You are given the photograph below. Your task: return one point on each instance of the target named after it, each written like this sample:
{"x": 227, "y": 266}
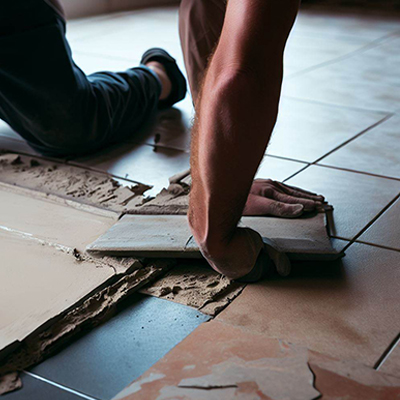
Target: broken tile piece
{"x": 10, "y": 382}
{"x": 275, "y": 378}
{"x": 351, "y": 380}
{"x": 170, "y": 236}
{"x": 197, "y": 285}
{"x": 218, "y": 361}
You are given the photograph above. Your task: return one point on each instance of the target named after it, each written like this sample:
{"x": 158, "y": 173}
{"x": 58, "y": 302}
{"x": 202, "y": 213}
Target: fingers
{"x": 258, "y": 205}
{"x": 309, "y": 205}
{"x": 297, "y": 192}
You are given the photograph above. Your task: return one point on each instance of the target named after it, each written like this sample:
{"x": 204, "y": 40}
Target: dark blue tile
{"x": 34, "y": 389}
{"x": 108, "y": 358}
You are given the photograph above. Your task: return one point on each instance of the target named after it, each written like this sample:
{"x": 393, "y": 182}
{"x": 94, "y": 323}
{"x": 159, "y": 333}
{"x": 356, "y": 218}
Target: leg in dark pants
{"x": 49, "y": 101}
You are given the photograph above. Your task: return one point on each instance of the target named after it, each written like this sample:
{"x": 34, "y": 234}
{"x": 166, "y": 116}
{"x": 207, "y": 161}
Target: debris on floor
{"x": 69, "y": 182}
{"x": 195, "y": 284}
{"x": 222, "y": 361}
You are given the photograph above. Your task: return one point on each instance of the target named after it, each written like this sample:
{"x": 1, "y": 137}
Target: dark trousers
{"x": 49, "y": 101}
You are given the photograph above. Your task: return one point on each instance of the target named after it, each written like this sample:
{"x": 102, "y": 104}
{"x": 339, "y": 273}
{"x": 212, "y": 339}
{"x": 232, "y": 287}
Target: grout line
{"x": 296, "y": 173}
{"x": 336, "y": 105}
{"x": 384, "y": 209}
{"x": 381, "y": 121}
{"x": 375, "y": 43}
{"x": 287, "y": 159}
{"x": 62, "y": 387}
{"x": 385, "y": 355}
{"x": 356, "y": 172}
{"x": 381, "y": 246}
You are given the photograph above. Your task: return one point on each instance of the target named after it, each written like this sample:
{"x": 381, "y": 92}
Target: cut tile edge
{"x": 94, "y": 310}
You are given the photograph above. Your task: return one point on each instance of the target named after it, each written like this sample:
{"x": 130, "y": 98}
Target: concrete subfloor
{"x": 336, "y": 134}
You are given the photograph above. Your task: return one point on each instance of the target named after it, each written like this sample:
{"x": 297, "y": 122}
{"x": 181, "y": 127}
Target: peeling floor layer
{"x": 218, "y": 361}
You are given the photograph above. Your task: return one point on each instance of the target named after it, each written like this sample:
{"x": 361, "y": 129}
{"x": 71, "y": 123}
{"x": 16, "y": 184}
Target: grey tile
{"x": 277, "y": 168}
{"x": 328, "y": 23}
{"x": 304, "y": 50}
{"x": 357, "y": 198}
{"x": 171, "y": 128}
{"x": 367, "y": 80}
{"x": 141, "y": 163}
{"x": 385, "y": 230}
{"x": 106, "y": 359}
{"x": 307, "y": 131}
{"x": 35, "y": 389}
{"x": 376, "y": 151}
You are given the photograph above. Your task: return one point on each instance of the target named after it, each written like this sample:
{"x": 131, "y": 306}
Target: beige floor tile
{"x": 365, "y": 80}
{"x": 50, "y": 222}
{"x": 328, "y": 23}
{"x": 376, "y": 151}
{"x": 385, "y": 230}
{"x": 347, "y": 311}
{"x": 94, "y": 63}
{"x": 356, "y": 198}
{"x": 38, "y": 283}
{"x": 392, "y": 364}
{"x": 305, "y": 50}
{"x": 140, "y": 163}
{"x": 278, "y": 169}
{"x": 306, "y": 131}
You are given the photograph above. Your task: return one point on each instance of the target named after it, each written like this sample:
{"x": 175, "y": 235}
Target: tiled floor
{"x": 340, "y": 109}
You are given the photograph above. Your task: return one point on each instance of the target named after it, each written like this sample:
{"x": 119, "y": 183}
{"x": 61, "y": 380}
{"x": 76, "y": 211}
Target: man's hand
{"x": 268, "y": 197}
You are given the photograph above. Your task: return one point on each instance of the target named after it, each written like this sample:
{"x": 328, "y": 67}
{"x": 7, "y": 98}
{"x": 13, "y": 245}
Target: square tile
{"x": 106, "y": 359}
{"x": 278, "y": 169}
{"x": 331, "y": 23}
{"x": 385, "y": 230}
{"x": 141, "y": 163}
{"x": 170, "y": 128}
{"x": 347, "y": 310}
{"x": 35, "y": 389}
{"x": 377, "y": 151}
{"x": 305, "y": 50}
{"x": 306, "y": 131}
{"x": 366, "y": 80}
{"x": 356, "y": 198}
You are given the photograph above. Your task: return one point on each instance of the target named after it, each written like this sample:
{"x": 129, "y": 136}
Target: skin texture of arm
{"x": 236, "y": 114}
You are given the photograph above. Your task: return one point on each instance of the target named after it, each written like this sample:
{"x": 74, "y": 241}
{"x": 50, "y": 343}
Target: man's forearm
{"x": 236, "y": 115}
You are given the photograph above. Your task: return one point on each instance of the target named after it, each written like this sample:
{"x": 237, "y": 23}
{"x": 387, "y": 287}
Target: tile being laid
{"x": 141, "y": 163}
{"x": 376, "y": 151}
{"x": 357, "y": 198}
{"x": 306, "y": 131}
{"x": 385, "y": 230}
{"x": 367, "y": 80}
{"x": 348, "y": 310}
{"x": 170, "y": 236}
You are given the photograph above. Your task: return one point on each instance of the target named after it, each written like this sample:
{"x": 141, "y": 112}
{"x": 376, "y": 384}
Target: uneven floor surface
{"x": 337, "y": 134}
